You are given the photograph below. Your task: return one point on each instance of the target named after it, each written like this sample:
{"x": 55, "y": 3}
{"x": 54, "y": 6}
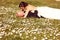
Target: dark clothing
{"x": 30, "y": 14}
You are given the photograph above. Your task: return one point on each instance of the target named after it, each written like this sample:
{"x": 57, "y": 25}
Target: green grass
{"x": 14, "y": 28}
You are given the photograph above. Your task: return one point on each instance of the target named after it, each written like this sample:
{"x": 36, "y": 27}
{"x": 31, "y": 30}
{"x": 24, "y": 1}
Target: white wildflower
{"x": 34, "y": 32}
{"x": 50, "y": 34}
{"x": 16, "y": 28}
{"x": 30, "y": 34}
{"x": 49, "y": 28}
{"x": 14, "y": 20}
{"x": 20, "y": 34}
{"x": 28, "y": 23}
{"x": 23, "y": 21}
{"x": 27, "y": 36}
{"x": 10, "y": 33}
{"x": 13, "y": 31}
{"x": 21, "y": 31}
{"x": 2, "y": 7}
{"x": 31, "y": 39}
{"x": 58, "y": 34}
{"x": 6, "y": 34}
{"x": 9, "y": 29}
{"x": 54, "y": 37}
{"x": 22, "y": 37}
{"x": 43, "y": 39}
{"x": 2, "y": 33}
{"x": 26, "y": 33}
{"x": 24, "y": 29}
{"x": 46, "y": 38}
{"x": 34, "y": 38}
{"x": 54, "y": 33}
{"x": 16, "y": 32}
{"x": 45, "y": 35}
{"x": 0, "y": 36}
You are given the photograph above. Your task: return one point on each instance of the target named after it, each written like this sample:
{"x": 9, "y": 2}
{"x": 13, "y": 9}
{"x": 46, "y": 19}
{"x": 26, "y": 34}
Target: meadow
{"x": 15, "y": 28}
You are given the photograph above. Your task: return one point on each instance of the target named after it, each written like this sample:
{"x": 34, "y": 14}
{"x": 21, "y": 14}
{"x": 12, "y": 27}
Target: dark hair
{"x": 23, "y": 4}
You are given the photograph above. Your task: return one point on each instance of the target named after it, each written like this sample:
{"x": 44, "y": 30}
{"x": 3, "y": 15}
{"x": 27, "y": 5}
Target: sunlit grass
{"x": 15, "y": 28}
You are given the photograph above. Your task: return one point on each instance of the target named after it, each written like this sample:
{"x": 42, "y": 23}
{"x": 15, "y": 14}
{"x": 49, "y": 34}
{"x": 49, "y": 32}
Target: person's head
{"x": 22, "y": 5}
{"x": 20, "y": 14}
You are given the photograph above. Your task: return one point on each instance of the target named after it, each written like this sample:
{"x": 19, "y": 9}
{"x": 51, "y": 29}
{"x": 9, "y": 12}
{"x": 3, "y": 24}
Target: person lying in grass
{"x": 43, "y": 11}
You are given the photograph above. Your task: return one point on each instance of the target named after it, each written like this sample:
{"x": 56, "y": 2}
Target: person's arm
{"x": 26, "y": 13}
{"x": 28, "y": 8}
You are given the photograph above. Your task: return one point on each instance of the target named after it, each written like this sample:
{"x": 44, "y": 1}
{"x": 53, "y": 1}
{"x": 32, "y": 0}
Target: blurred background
{"x": 53, "y": 3}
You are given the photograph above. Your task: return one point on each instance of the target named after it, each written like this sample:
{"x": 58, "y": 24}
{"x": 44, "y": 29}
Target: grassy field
{"x": 14, "y": 28}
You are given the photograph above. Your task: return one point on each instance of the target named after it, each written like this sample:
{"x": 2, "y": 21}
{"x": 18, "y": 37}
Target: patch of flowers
{"x": 29, "y": 28}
